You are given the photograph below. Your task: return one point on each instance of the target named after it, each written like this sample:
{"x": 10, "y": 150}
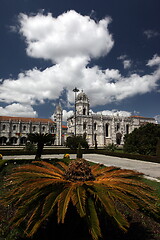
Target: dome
{"x": 82, "y": 97}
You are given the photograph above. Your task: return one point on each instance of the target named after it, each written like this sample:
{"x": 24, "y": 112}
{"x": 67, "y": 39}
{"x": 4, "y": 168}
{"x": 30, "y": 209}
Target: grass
{"x": 153, "y": 184}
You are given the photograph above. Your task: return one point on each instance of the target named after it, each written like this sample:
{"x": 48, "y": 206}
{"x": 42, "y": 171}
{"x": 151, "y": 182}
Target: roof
{"x": 63, "y": 126}
{"x": 25, "y": 119}
{"x": 142, "y": 117}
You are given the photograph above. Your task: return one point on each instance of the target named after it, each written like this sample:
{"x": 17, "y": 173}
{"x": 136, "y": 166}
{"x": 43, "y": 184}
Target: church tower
{"x": 58, "y": 119}
{"x": 82, "y": 104}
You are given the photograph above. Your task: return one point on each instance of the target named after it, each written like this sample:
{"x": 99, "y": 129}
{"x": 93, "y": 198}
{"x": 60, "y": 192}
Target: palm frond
{"x": 79, "y": 199}
{"x": 92, "y": 220}
{"x": 63, "y": 202}
{"x": 49, "y": 166}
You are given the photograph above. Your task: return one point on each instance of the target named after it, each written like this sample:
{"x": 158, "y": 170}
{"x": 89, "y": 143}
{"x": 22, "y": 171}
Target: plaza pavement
{"x": 150, "y": 169}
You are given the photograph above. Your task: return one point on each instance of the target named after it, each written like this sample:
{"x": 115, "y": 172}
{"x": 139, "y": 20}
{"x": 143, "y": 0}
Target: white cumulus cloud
{"x": 125, "y": 61}
{"x": 157, "y": 118}
{"x": 68, "y": 35}
{"x": 70, "y": 41}
{"x": 67, "y": 114}
{"x": 115, "y": 113}
{"x": 154, "y": 61}
{"x": 18, "y": 110}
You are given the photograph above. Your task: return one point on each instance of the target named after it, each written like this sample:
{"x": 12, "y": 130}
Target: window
{"x": 14, "y": 127}
{"x": 95, "y": 126}
{"x": 52, "y": 129}
{"x": 24, "y": 128}
{"x": 43, "y": 129}
{"x": 107, "y": 130}
{"x": 3, "y": 127}
{"x": 127, "y": 129}
{"x": 118, "y": 126}
{"x": 34, "y": 128}
{"x": 84, "y": 111}
{"x": 84, "y": 126}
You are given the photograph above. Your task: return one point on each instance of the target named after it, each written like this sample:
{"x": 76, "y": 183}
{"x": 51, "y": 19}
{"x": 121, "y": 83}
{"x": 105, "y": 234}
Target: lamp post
{"x": 75, "y": 90}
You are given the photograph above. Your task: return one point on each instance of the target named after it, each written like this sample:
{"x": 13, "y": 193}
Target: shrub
{"x": 158, "y": 148}
{"x": 29, "y": 147}
{"x": 143, "y": 140}
{"x": 74, "y": 141}
{"x": 111, "y": 147}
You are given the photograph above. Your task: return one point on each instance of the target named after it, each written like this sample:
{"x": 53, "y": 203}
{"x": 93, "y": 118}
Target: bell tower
{"x": 82, "y": 104}
{"x": 58, "y": 119}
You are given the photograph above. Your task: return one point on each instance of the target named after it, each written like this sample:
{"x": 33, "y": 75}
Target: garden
{"x": 59, "y": 198}
{"x": 76, "y": 199}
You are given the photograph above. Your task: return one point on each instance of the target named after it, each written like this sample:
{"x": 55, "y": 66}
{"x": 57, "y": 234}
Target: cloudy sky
{"x": 110, "y": 49}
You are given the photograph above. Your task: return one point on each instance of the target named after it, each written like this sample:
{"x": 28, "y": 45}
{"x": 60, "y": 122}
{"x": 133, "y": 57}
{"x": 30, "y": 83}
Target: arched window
{"x": 34, "y": 128}
{"x": 107, "y": 129}
{"x": 43, "y": 129}
{"x": 95, "y": 126}
{"x": 24, "y": 128}
{"x": 84, "y": 126}
{"x": 84, "y": 111}
{"x": 118, "y": 138}
{"x": 3, "y": 127}
{"x": 14, "y": 127}
{"x": 127, "y": 129}
{"x": 118, "y": 126}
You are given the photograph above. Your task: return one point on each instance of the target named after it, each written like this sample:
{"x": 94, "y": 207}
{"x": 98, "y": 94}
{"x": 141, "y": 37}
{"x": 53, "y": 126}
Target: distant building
{"x": 103, "y": 129}
{"x": 14, "y": 130}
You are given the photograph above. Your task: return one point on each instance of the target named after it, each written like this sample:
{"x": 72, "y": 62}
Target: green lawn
{"x": 154, "y": 184}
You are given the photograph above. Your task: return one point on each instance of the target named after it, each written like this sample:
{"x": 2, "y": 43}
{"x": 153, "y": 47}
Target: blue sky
{"x": 110, "y": 49}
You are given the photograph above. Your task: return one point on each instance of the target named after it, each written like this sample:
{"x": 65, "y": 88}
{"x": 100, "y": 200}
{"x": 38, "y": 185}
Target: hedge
{"x": 148, "y": 158}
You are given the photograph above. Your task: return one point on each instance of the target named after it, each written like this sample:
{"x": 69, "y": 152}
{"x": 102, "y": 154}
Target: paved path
{"x": 148, "y": 168}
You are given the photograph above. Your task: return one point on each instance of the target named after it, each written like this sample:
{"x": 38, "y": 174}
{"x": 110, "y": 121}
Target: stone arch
{"x": 3, "y": 127}
{"x": 23, "y": 140}
{"x": 14, "y": 127}
{"x": 3, "y": 140}
{"x": 118, "y": 138}
{"x": 13, "y": 140}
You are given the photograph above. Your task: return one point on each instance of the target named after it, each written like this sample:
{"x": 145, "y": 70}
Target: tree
{"x": 143, "y": 140}
{"x": 74, "y": 141}
{"x": 79, "y": 151}
{"x": 158, "y": 148}
{"x": 40, "y": 139}
{"x": 39, "y": 190}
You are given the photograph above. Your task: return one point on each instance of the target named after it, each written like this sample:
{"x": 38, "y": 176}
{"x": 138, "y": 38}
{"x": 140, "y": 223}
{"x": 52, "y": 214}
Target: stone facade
{"x": 14, "y": 130}
{"x": 103, "y": 129}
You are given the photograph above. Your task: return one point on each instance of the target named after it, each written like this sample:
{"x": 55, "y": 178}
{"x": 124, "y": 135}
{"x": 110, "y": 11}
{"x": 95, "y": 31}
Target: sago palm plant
{"x": 36, "y": 190}
{"x": 40, "y": 139}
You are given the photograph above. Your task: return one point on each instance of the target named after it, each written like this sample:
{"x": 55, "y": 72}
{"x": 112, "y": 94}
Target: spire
{"x": 59, "y": 108}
